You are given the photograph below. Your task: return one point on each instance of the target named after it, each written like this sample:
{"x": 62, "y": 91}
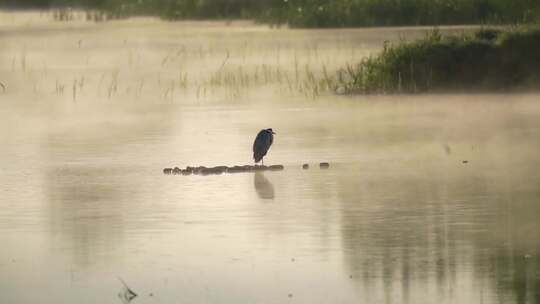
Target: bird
{"x": 262, "y": 143}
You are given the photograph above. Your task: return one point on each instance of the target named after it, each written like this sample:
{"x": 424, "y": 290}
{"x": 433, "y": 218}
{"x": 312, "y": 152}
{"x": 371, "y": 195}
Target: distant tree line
{"x": 49, "y": 3}
{"x": 315, "y": 13}
{"x": 318, "y": 13}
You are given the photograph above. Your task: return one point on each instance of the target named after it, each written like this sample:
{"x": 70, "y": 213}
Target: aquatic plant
{"x": 488, "y": 60}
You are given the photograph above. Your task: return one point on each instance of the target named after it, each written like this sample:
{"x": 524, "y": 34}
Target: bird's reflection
{"x": 263, "y": 187}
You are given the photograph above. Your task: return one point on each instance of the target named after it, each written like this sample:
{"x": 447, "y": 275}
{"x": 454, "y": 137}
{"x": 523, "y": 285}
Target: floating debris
{"x": 202, "y": 170}
{"x": 219, "y": 169}
{"x": 276, "y": 167}
{"x": 234, "y": 169}
{"x": 197, "y": 170}
{"x": 305, "y": 166}
{"x": 126, "y": 295}
{"x": 324, "y": 165}
{"x": 465, "y": 161}
{"x": 214, "y": 170}
{"x": 248, "y": 168}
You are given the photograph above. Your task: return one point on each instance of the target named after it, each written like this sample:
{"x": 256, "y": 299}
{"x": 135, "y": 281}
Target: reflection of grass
{"x": 488, "y": 60}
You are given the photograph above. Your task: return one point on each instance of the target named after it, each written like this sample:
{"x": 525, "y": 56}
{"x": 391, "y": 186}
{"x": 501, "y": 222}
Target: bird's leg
{"x": 262, "y": 161}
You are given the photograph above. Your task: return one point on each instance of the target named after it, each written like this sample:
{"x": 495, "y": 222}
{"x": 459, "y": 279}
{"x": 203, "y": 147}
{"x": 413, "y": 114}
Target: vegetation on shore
{"x": 490, "y": 59}
{"x": 361, "y": 13}
{"x": 314, "y": 13}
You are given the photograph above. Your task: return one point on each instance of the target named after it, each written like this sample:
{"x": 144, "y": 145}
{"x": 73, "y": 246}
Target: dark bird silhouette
{"x": 262, "y": 143}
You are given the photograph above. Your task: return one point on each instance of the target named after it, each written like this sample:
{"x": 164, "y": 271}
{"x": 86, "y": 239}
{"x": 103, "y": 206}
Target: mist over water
{"x": 428, "y": 198}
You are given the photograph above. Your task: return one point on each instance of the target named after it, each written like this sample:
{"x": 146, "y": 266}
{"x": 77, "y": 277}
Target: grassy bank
{"x": 315, "y": 13}
{"x": 488, "y": 60}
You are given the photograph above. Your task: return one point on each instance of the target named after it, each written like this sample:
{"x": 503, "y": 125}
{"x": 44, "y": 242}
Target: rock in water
{"x": 324, "y": 165}
{"x": 167, "y": 171}
{"x": 305, "y": 166}
{"x": 234, "y": 169}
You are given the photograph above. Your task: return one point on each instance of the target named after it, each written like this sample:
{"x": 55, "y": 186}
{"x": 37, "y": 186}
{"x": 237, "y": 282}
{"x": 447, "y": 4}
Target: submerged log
{"x": 198, "y": 170}
{"x": 276, "y": 167}
{"x": 201, "y": 170}
{"x": 213, "y": 170}
{"x": 236, "y": 169}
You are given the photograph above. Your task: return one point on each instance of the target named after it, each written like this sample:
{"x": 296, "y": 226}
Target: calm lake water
{"x": 428, "y": 199}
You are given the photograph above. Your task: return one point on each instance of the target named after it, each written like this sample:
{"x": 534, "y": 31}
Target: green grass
{"x": 486, "y": 61}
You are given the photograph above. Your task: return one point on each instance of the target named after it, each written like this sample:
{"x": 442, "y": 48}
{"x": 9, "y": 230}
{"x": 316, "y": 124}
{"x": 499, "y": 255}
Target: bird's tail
{"x": 257, "y": 157}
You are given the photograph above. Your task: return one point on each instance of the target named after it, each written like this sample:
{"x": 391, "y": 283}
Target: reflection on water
{"x": 85, "y": 209}
{"x": 126, "y": 295}
{"x": 438, "y": 233}
{"x": 263, "y": 187}
{"x": 398, "y": 217}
